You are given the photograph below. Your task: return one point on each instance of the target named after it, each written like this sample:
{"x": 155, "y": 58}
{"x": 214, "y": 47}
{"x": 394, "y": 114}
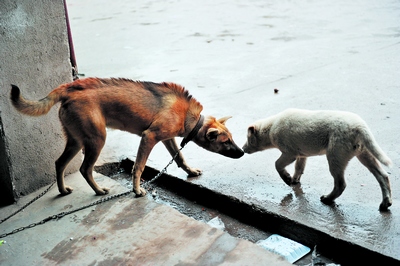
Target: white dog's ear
{"x": 212, "y": 134}
{"x": 251, "y": 131}
{"x": 223, "y": 119}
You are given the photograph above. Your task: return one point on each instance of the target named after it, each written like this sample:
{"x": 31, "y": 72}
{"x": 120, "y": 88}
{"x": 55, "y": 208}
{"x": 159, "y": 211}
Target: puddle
{"x": 187, "y": 203}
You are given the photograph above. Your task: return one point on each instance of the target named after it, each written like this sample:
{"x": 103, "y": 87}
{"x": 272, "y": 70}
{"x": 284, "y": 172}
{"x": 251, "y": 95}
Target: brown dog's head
{"x": 215, "y": 137}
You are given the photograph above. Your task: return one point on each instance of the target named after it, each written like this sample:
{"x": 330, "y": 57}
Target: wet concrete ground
{"x": 121, "y": 231}
{"x": 231, "y": 55}
{"x": 191, "y": 203}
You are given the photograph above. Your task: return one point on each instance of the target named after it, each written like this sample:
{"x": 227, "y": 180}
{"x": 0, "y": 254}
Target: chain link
{"x": 163, "y": 171}
{"x": 29, "y": 203}
{"x": 62, "y": 214}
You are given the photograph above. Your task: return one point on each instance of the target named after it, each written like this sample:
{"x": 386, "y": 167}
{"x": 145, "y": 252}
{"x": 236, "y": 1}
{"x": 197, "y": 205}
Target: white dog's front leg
{"x": 280, "y": 166}
{"x": 299, "y": 169}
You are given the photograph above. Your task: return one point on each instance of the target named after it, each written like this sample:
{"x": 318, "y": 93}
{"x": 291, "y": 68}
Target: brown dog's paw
{"x": 66, "y": 191}
{"x": 103, "y": 191}
{"x": 194, "y": 172}
{"x": 140, "y": 193}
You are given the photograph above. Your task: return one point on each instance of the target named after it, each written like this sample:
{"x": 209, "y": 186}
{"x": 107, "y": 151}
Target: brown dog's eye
{"x": 227, "y": 143}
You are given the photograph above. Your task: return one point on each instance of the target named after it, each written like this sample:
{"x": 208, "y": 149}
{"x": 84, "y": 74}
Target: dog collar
{"x": 193, "y": 132}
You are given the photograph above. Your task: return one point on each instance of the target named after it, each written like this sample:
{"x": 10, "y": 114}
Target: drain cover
{"x": 285, "y": 247}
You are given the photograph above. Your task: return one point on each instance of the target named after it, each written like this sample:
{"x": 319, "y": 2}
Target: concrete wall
{"x": 34, "y": 55}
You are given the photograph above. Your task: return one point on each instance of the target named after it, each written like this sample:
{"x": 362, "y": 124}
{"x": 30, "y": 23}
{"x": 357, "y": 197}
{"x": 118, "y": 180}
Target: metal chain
{"x": 163, "y": 171}
{"x": 29, "y": 203}
{"x": 62, "y": 214}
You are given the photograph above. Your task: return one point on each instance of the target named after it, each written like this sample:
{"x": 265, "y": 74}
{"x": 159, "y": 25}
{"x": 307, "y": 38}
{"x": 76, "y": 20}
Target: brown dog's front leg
{"x": 172, "y": 147}
{"x": 146, "y": 145}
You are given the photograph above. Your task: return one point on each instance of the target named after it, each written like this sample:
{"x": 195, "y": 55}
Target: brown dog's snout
{"x": 234, "y": 152}
{"x": 240, "y": 153}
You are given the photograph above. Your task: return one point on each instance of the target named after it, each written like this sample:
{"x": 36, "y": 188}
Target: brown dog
{"x": 155, "y": 111}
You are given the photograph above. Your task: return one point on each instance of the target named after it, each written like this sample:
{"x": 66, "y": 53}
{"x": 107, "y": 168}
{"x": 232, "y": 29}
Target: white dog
{"x": 340, "y": 135}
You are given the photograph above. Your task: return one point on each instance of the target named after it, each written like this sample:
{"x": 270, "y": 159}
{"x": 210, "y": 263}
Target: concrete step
{"x": 123, "y": 231}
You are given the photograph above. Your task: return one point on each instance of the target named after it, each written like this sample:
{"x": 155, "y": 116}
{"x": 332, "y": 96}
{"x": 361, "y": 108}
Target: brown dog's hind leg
{"x": 283, "y": 161}
{"x": 381, "y": 176}
{"x": 71, "y": 149}
{"x": 172, "y": 147}
{"x": 92, "y": 151}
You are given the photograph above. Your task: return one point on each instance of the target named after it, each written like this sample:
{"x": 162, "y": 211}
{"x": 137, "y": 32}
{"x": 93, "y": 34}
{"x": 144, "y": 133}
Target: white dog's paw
{"x": 386, "y": 203}
{"x": 326, "y": 200}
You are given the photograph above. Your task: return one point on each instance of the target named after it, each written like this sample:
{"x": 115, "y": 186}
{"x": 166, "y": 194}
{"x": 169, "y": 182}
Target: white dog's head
{"x": 255, "y": 140}
{"x": 251, "y": 144}
{"x": 258, "y": 136}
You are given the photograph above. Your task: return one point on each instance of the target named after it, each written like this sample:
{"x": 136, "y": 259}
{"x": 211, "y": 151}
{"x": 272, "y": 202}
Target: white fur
{"x": 299, "y": 134}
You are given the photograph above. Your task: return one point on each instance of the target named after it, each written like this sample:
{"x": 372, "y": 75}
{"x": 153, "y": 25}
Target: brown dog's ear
{"x": 212, "y": 134}
{"x": 223, "y": 119}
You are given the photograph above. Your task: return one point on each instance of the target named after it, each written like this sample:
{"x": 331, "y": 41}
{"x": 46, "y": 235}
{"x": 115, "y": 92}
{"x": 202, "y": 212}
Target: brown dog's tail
{"x": 34, "y": 108}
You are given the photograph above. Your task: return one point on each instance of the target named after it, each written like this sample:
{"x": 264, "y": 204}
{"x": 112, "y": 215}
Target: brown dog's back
{"x": 109, "y": 102}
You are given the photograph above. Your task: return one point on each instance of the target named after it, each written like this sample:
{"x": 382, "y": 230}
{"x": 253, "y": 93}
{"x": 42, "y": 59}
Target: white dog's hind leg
{"x": 337, "y": 165}
{"x": 381, "y": 176}
{"x": 299, "y": 169}
{"x": 280, "y": 165}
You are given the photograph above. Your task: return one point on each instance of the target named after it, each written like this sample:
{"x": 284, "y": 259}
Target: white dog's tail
{"x": 373, "y": 147}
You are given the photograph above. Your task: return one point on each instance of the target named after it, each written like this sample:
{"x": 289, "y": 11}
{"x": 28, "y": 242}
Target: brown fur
{"x": 155, "y": 111}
